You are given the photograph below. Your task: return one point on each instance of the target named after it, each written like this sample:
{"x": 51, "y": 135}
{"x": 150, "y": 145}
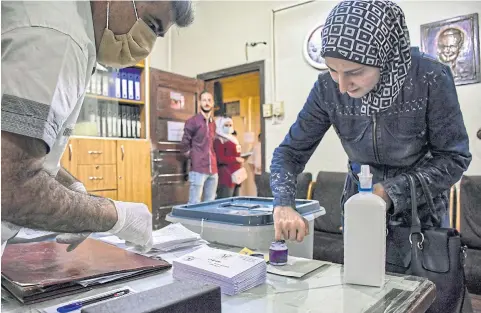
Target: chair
{"x": 303, "y": 184}
{"x": 467, "y": 221}
{"x": 328, "y": 240}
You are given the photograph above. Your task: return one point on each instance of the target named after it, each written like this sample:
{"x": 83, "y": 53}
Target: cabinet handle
{"x": 96, "y": 178}
{"x": 70, "y": 152}
{"x": 123, "y": 151}
{"x": 95, "y": 152}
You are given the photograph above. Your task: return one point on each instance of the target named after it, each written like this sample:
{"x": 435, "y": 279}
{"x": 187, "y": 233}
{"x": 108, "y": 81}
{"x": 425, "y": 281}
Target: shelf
{"x": 126, "y": 101}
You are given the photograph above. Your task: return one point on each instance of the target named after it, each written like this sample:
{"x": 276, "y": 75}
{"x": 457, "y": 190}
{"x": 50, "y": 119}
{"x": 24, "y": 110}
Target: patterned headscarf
{"x": 374, "y": 33}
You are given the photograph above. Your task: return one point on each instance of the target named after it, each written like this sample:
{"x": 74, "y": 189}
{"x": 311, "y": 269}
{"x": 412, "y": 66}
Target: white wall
{"x": 217, "y": 40}
{"x": 295, "y": 78}
{"x": 418, "y": 13}
{"x": 160, "y": 56}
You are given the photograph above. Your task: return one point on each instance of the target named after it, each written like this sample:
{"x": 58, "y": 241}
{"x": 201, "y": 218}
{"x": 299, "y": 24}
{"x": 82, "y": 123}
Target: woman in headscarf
{"x": 393, "y": 108}
{"x": 228, "y": 151}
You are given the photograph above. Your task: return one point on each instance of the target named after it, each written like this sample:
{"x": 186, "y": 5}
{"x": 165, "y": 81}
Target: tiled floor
{"x": 476, "y": 301}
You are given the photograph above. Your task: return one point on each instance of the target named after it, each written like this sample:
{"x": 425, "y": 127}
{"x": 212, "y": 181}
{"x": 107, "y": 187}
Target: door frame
{"x": 258, "y": 66}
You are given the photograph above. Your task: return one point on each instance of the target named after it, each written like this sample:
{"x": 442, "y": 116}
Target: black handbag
{"x": 431, "y": 252}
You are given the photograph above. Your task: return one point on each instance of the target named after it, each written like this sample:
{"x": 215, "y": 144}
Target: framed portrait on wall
{"x": 455, "y": 42}
{"x": 312, "y": 48}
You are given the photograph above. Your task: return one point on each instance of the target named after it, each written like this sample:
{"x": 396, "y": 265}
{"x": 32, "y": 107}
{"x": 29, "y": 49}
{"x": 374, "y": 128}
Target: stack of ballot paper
{"x": 172, "y": 237}
{"x": 175, "y": 236}
{"x": 233, "y": 272}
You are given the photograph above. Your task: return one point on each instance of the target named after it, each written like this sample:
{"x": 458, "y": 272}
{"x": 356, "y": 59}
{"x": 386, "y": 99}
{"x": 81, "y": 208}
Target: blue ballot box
{"x": 244, "y": 222}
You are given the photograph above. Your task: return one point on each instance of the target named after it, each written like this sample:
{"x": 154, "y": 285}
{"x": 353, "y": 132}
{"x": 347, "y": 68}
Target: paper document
{"x": 296, "y": 267}
{"x": 114, "y": 240}
{"x": 28, "y": 233}
{"x": 247, "y": 251}
{"x": 106, "y": 279}
{"x": 175, "y": 254}
{"x": 171, "y": 237}
{"x": 233, "y": 272}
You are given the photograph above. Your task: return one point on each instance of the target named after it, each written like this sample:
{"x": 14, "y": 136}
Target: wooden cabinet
{"x": 111, "y": 194}
{"x": 113, "y": 168}
{"x": 90, "y": 151}
{"x": 134, "y": 171}
{"x": 98, "y": 177}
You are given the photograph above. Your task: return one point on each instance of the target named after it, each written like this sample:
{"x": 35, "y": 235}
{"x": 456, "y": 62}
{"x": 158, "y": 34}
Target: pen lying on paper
{"x": 77, "y": 305}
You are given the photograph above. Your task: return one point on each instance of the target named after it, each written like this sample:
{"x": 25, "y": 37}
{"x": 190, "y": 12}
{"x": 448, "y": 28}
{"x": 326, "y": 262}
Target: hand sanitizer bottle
{"x": 365, "y": 235}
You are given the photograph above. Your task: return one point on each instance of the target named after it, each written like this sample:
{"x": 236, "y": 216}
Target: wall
{"x": 217, "y": 40}
{"x": 160, "y": 58}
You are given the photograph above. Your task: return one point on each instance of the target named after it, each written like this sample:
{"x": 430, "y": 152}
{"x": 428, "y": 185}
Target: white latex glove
{"x": 73, "y": 239}
{"x": 134, "y": 225}
{"x": 78, "y": 186}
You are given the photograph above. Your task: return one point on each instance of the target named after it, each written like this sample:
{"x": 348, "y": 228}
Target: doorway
{"x": 242, "y": 95}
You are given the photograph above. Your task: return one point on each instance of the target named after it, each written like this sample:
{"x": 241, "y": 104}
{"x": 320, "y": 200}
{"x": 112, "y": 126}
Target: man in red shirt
{"x": 198, "y": 145}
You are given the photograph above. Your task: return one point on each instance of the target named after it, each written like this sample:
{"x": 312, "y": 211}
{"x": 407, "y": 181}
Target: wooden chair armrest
{"x": 310, "y": 190}
{"x": 452, "y": 194}
{"x": 458, "y": 206}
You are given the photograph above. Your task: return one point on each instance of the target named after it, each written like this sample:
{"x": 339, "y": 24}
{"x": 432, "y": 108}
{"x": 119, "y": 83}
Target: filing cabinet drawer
{"x": 98, "y": 177}
{"x": 91, "y": 151}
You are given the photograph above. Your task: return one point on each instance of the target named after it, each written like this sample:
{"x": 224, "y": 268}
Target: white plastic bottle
{"x": 365, "y": 235}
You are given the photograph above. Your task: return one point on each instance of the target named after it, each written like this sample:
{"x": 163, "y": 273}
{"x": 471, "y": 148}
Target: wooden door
{"x": 133, "y": 171}
{"x": 173, "y": 101}
{"x": 241, "y": 101}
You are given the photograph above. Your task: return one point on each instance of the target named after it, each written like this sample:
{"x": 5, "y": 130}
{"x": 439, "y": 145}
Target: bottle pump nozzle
{"x": 365, "y": 179}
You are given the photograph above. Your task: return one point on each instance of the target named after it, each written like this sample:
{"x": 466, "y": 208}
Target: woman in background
{"x": 228, "y": 151}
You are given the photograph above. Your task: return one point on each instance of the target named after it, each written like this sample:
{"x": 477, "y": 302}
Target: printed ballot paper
{"x": 233, "y": 272}
{"x": 172, "y": 237}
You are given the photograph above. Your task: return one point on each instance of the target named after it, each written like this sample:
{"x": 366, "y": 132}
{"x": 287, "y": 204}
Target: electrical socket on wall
{"x": 267, "y": 110}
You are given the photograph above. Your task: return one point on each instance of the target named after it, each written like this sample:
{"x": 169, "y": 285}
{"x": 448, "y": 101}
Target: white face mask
{"x": 126, "y": 50}
{"x": 228, "y": 130}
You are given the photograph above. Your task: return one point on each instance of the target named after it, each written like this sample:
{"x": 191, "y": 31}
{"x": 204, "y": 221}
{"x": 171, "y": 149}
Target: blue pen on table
{"x": 78, "y": 305}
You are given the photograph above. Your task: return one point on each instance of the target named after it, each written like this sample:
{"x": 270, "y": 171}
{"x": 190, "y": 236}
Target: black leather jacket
{"x": 423, "y": 131}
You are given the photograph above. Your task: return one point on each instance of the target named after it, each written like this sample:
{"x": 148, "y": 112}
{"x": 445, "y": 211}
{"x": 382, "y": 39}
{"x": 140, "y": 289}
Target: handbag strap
{"x": 428, "y": 195}
{"x": 415, "y": 221}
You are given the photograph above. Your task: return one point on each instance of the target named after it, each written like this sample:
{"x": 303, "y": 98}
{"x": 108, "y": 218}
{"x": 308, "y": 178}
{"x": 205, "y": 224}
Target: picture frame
{"x": 455, "y": 42}
{"x": 311, "y": 48}
{"x": 232, "y": 108}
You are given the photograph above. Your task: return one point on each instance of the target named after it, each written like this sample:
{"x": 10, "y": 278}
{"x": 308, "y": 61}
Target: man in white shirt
{"x": 49, "y": 51}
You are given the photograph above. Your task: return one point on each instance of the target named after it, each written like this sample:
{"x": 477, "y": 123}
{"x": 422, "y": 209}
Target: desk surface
{"x": 319, "y": 291}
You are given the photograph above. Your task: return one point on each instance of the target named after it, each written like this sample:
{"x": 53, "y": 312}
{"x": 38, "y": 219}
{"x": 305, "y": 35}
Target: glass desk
{"x": 320, "y": 291}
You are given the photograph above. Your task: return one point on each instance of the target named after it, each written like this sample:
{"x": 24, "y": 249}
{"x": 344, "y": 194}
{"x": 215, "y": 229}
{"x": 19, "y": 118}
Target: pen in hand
{"x": 78, "y": 305}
